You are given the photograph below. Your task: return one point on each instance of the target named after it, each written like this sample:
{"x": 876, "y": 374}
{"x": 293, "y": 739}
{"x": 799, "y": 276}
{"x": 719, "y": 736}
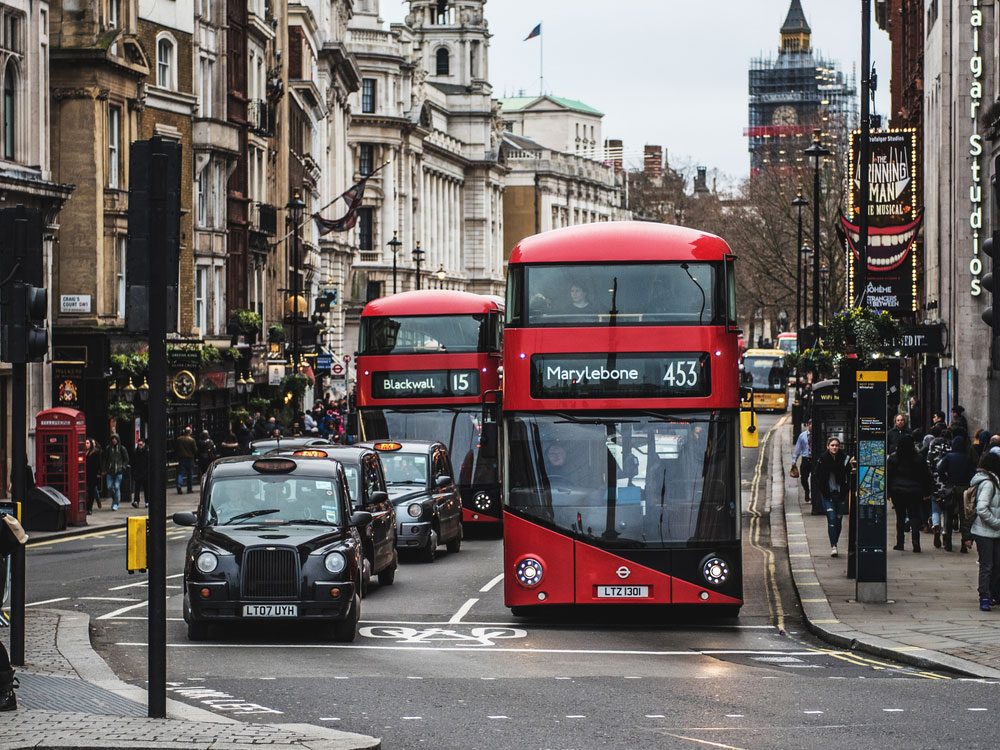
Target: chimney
{"x": 701, "y": 180}
{"x": 652, "y": 162}
{"x": 614, "y": 153}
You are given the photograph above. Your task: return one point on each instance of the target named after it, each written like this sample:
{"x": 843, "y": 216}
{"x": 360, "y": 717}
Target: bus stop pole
{"x": 19, "y": 488}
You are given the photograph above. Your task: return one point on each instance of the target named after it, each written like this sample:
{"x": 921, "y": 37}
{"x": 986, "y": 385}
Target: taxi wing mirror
{"x": 442, "y": 481}
{"x": 378, "y": 497}
{"x": 361, "y": 518}
{"x": 185, "y": 518}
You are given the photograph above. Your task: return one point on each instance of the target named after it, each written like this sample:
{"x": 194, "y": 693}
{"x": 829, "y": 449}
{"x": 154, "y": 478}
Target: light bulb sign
{"x": 640, "y": 375}
{"x": 425, "y": 384}
{"x": 975, "y": 149}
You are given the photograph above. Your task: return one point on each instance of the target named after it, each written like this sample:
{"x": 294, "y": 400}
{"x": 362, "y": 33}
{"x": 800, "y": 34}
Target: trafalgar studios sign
{"x": 975, "y": 148}
{"x": 893, "y": 219}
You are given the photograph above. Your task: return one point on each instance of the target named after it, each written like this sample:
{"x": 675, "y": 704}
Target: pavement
{"x": 932, "y": 619}
{"x": 70, "y": 698}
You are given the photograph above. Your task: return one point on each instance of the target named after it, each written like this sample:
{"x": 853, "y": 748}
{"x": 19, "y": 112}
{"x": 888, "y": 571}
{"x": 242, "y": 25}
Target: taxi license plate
{"x": 623, "y": 592}
{"x": 270, "y": 610}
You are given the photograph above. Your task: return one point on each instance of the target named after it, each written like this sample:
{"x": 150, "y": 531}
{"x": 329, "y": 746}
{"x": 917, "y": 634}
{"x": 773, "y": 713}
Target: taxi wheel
{"x": 388, "y": 576}
{"x": 455, "y": 545}
{"x": 366, "y": 576}
{"x": 347, "y": 630}
{"x": 197, "y": 631}
{"x": 429, "y": 553}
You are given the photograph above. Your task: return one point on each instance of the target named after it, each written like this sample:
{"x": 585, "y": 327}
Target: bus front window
{"x": 630, "y": 480}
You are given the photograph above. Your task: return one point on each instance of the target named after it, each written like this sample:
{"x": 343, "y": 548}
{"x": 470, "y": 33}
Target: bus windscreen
{"x": 768, "y": 373}
{"x": 629, "y": 480}
{"x": 425, "y": 334}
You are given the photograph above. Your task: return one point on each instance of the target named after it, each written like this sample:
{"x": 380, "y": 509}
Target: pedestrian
{"x": 115, "y": 463}
{"x": 140, "y": 473}
{"x": 909, "y": 482}
{"x": 985, "y": 529}
{"x": 893, "y": 436}
{"x": 93, "y": 465}
{"x": 955, "y": 470}
{"x": 832, "y": 472}
{"x": 230, "y": 445}
{"x": 802, "y": 454}
{"x": 187, "y": 450}
{"x": 309, "y": 424}
{"x": 938, "y": 418}
{"x": 207, "y": 452}
{"x": 12, "y": 537}
{"x": 244, "y": 435}
{"x": 913, "y": 411}
{"x": 958, "y": 420}
{"x": 260, "y": 427}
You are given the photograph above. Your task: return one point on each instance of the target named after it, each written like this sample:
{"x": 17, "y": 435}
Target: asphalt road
{"x": 441, "y": 663}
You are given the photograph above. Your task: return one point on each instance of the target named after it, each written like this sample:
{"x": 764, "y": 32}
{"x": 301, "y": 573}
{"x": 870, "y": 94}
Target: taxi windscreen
{"x": 274, "y": 499}
{"x": 405, "y": 468}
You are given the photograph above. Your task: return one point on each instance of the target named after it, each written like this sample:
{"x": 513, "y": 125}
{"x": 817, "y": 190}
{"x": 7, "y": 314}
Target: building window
{"x": 121, "y": 253}
{"x": 207, "y": 80}
{"x": 366, "y": 162}
{"x": 368, "y": 95}
{"x": 443, "y": 62}
{"x": 219, "y": 195}
{"x": 200, "y": 286}
{"x": 373, "y": 290}
{"x": 113, "y": 20}
{"x": 202, "y": 201}
{"x": 114, "y": 146}
{"x": 217, "y": 300}
{"x": 366, "y": 218}
{"x": 165, "y": 68}
{"x": 9, "y": 111}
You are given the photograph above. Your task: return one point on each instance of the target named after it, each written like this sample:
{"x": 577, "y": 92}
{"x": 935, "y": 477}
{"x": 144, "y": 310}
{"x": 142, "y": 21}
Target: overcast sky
{"x": 672, "y": 72}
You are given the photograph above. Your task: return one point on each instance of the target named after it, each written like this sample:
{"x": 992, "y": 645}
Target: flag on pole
{"x": 537, "y": 31}
{"x": 353, "y": 197}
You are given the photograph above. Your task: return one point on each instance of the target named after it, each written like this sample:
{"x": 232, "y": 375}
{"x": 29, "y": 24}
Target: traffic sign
{"x": 337, "y": 371}
{"x": 324, "y": 362}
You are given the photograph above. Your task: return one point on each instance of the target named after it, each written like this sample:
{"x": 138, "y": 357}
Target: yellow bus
{"x": 766, "y": 368}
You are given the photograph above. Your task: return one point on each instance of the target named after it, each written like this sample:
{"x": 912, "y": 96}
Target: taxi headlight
{"x": 529, "y": 572}
{"x": 335, "y": 562}
{"x": 206, "y": 562}
{"x": 415, "y": 510}
{"x": 715, "y": 570}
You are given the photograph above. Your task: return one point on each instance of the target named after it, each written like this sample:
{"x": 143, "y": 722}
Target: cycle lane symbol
{"x": 481, "y": 636}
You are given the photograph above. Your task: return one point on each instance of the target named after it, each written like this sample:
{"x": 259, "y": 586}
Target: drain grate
{"x": 59, "y": 694}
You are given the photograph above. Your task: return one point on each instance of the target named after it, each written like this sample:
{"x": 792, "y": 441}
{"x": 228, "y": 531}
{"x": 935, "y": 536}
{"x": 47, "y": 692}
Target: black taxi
{"x": 428, "y": 503}
{"x": 366, "y": 482}
{"x": 275, "y": 539}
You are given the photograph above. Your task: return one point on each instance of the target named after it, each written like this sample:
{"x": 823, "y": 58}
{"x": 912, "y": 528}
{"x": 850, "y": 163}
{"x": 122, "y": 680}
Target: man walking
{"x": 140, "y": 473}
{"x": 115, "y": 464}
{"x": 803, "y": 451}
{"x": 893, "y": 436}
{"x": 186, "y": 449}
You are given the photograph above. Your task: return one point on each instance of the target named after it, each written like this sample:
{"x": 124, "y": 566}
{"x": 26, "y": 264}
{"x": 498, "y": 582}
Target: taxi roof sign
{"x": 273, "y": 465}
{"x": 311, "y": 453}
{"x": 388, "y": 445}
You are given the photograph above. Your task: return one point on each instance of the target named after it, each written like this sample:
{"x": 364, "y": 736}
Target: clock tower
{"x": 454, "y": 38}
{"x": 795, "y": 31}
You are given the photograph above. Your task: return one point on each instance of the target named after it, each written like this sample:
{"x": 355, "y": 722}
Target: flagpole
{"x": 541, "y": 64}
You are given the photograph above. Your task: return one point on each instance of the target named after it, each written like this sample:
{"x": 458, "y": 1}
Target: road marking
{"x": 773, "y": 595}
{"x": 462, "y": 612}
{"x": 735, "y": 716}
{"x": 576, "y": 716}
{"x": 137, "y": 584}
{"x": 329, "y": 718}
{"x": 48, "y": 601}
{"x": 977, "y": 709}
{"x": 813, "y": 713}
{"x": 893, "y": 710}
{"x": 77, "y": 538}
{"x": 655, "y": 716}
{"x": 410, "y": 677}
{"x": 123, "y": 610}
{"x": 412, "y": 718}
{"x": 705, "y": 742}
{"x": 493, "y": 582}
{"x": 498, "y": 717}
{"x": 106, "y": 599}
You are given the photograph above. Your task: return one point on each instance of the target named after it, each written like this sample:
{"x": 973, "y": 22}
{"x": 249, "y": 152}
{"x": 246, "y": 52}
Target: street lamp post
{"x": 799, "y": 204}
{"x": 295, "y": 206}
{"x": 418, "y": 257}
{"x": 441, "y": 275}
{"x": 816, "y": 151}
{"x": 394, "y": 245}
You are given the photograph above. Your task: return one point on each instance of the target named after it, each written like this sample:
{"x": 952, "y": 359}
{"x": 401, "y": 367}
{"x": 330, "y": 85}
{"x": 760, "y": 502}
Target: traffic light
{"x": 326, "y": 300}
{"x": 991, "y": 315}
{"x": 24, "y": 302}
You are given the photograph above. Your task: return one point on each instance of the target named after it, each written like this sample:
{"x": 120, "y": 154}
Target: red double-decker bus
{"x": 427, "y": 360}
{"x": 621, "y": 420}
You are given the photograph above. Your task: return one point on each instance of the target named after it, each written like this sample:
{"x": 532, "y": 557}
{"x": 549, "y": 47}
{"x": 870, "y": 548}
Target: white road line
{"x": 977, "y": 709}
{"x": 813, "y": 713}
{"x": 462, "y": 612}
{"x": 138, "y": 584}
{"x": 122, "y": 611}
{"x": 515, "y": 623}
{"x": 576, "y": 716}
{"x": 655, "y": 716}
{"x": 893, "y": 710}
{"x": 106, "y": 599}
{"x": 328, "y": 718}
{"x": 735, "y": 716}
{"x": 493, "y": 582}
{"x": 704, "y": 742}
{"x": 412, "y": 718}
{"x": 48, "y": 601}
{"x": 498, "y": 717}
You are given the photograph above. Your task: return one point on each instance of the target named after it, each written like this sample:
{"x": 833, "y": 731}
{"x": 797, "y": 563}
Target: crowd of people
{"x": 941, "y": 482}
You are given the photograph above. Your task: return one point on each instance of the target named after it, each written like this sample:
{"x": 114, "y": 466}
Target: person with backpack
{"x": 909, "y": 481}
{"x": 955, "y": 470}
{"x": 985, "y": 528}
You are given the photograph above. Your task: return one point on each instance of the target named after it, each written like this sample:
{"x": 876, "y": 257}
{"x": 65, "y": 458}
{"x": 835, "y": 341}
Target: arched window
{"x": 9, "y": 111}
{"x": 443, "y": 62}
{"x": 166, "y": 67}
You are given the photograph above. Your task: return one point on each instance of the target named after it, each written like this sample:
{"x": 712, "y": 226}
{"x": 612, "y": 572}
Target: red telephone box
{"x": 61, "y": 458}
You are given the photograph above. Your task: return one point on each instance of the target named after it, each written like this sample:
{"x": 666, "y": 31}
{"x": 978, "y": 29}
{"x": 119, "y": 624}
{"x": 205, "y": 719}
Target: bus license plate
{"x": 623, "y": 592}
{"x": 270, "y": 610}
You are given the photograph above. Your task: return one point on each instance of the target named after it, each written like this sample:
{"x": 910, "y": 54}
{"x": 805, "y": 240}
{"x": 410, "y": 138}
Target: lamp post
{"x": 441, "y": 275}
{"x": 816, "y": 151}
{"x": 394, "y": 245}
{"x": 295, "y": 205}
{"x": 418, "y": 257}
{"x": 799, "y": 203}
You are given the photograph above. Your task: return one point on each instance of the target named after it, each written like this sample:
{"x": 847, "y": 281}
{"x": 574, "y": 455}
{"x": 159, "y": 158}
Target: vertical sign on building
{"x": 871, "y": 555}
{"x": 893, "y": 220}
{"x": 975, "y": 149}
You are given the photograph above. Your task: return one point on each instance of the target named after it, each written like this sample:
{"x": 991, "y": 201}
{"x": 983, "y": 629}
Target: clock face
{"x": 184, "y": 384}
{"x": 785, "y": 115}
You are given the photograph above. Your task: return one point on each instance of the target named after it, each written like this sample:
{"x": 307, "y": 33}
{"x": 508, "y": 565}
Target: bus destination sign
{"x": 640, "y": 375}
{"x": 425, "y": 384}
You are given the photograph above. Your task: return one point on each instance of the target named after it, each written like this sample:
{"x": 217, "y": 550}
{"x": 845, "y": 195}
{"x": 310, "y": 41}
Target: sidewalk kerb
{"x": 820, "y": 618}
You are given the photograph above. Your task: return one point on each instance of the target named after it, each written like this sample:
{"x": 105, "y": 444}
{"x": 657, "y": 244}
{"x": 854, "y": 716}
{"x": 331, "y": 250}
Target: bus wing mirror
{"x": 489, "y": 440}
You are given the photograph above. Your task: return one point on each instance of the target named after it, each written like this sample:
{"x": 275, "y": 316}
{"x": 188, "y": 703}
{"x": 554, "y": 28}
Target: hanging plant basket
{"x": 862, "y": 332}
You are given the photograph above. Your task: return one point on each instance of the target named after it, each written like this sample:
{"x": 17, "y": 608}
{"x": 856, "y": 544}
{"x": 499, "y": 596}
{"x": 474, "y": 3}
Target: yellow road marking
{"x": 774, "y": 597}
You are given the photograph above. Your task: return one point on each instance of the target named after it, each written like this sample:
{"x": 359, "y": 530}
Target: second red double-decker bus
{"x": 621, "y": 420}
{"x": 426, "y": 362}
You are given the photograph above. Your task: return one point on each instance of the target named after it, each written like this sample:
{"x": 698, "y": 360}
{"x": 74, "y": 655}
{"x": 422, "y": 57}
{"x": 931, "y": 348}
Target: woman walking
{"x": 985, "y": 529}
{"x": 909, "y": 482}
{"x": 93, "y": 474}
{"x": 832, "y": 472}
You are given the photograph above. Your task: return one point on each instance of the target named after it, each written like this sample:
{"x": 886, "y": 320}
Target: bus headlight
{"x": 715, "y": 570}
{"x": 206, "y": 562}
{"x": 335, "y": 562}
{"x": 482, "y": 501}
{"x": 415, "y": 510}
{"x": 529, "y": 572}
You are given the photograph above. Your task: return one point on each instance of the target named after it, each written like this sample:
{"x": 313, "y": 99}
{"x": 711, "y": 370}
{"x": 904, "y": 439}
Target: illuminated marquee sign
{"x": 636, "y": 375}
{"x": 975, "y": 150}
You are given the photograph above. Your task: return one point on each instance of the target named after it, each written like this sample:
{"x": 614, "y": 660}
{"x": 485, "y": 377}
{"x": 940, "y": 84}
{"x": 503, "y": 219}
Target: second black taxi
{"x": 274, "y": 539}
